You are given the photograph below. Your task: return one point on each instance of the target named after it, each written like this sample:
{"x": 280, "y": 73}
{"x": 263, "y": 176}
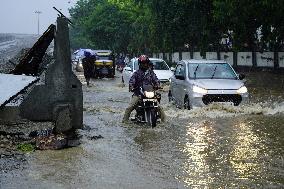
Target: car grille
{"x": 235, "y": 98}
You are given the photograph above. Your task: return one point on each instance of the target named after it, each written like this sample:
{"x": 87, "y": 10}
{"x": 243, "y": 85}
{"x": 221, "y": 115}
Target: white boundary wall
{"x": 185, "y": 55}
{"x": 167, "y": 56}
{"x": 244, "y": 58}
{"x": 196, "y": 55}
{"x": 175, "y": 57}
{"x": 161, "y": 55}
{"x": 228, "y": 57}
{"x": 265, "y": 59}
{"x": 211, "y": 55}
{"x": 281, "y": 59}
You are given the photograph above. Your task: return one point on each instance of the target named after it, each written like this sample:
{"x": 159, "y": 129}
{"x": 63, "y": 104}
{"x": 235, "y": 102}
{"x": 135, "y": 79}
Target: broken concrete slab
{"x": 57, "y": 97}
{"x": 60, "y": 86}
{"x": 12, "y": 85}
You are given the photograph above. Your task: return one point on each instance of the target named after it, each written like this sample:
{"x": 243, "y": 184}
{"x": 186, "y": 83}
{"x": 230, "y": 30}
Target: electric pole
{"x": 38, "y": 13}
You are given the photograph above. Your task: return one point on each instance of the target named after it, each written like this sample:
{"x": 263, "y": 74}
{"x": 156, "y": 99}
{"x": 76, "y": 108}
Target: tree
{"x": 144, "y": 26}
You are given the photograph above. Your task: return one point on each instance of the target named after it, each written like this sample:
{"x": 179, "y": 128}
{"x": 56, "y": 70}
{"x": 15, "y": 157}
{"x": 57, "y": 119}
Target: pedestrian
{"x": 88, "y": 66}
{"x": 126, "y": 59}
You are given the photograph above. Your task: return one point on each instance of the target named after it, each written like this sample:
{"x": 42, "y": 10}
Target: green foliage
{"x": 245, "y": 17}
{"x": 145, "y": 26}
{"x": 25, "y": 147}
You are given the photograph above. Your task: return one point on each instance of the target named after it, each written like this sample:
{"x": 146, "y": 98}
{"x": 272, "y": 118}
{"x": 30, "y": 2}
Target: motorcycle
{"x": 148, "y": 105}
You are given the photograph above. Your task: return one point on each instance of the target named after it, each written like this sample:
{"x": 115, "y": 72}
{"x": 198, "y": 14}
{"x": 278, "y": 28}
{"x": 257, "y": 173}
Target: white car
{"x": 161, "y": 69}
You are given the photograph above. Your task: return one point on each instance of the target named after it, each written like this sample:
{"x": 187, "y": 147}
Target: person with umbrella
{"x": 88, "y": 66}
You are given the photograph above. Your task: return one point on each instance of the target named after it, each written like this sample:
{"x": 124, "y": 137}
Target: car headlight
{"x": 200, "y": 90}
{"x": 149, "y": 94}
{"x": 242, "y": 90}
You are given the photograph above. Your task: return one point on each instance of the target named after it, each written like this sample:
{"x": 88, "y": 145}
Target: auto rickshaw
{"x": 104, "y": 64}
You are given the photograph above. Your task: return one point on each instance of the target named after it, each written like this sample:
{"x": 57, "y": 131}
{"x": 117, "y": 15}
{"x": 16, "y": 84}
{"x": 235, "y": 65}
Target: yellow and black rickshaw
{"x": 104, "y": 64}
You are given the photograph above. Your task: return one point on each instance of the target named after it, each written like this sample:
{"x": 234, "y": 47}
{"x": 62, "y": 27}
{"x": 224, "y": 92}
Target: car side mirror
{"x": 128, "y": 69}
{"x": 241, "y": 76}
{"x": 172, "y": 69}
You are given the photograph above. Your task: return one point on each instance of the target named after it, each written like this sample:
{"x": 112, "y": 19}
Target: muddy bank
{"x": 16, "y": 142}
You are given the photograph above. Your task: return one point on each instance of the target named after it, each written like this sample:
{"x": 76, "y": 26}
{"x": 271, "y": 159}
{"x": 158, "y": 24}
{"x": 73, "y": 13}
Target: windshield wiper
{"x": 214, "y": 72}
{"x": 195, "y": 71}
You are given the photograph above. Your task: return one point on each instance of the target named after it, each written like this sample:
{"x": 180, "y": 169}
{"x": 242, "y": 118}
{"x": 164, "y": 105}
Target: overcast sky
{"x": 18, "y": 16}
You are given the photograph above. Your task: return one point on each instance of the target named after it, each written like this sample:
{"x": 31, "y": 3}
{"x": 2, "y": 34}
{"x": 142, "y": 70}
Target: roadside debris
{"x": 95, "y": 137}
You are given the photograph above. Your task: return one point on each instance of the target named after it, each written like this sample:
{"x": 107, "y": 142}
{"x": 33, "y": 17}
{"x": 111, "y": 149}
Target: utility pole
{"x": 38, "y": 13}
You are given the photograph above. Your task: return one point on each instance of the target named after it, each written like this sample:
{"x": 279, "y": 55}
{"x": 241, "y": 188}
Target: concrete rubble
{"x": 48, "y": 113}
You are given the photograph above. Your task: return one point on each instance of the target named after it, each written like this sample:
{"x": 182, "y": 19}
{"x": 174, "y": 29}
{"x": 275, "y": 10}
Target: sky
{"x": 18, "y": 16}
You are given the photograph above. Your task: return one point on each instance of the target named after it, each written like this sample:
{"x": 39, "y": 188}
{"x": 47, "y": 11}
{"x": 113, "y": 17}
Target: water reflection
{"x": 245, "y": 151}
{"x": 196, "y": 148}
{"x": 228, "y": 153}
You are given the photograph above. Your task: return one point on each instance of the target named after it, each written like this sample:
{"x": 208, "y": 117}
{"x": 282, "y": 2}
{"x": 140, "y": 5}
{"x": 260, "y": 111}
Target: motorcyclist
{"x": 143, "y": 75}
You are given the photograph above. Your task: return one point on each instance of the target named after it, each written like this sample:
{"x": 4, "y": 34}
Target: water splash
{"x": 216, "y": 110}
{"x": 277, "y": 108}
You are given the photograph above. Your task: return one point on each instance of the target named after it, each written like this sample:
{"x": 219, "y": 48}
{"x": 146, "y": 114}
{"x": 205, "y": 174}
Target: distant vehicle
{"x": 105, "y": 64}
{"x": 201, "y": 82}
{"x": 78, "y": 56}
{"x": 80, "y": 53}
{"x": 161, "y": 69}
{"x": 79, "y": 65}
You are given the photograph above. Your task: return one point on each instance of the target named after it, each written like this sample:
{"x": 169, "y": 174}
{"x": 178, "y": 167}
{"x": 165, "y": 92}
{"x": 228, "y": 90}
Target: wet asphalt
{"x": 218, "y": 146}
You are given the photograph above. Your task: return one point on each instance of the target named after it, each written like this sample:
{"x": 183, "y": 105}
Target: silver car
{"x": 201, "y": 82}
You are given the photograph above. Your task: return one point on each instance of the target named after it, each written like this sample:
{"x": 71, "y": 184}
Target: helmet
{"x": 143, "y": 59}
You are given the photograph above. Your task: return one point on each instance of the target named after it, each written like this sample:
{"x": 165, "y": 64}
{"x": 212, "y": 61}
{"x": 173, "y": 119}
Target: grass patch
{"x": 26, "y": 147}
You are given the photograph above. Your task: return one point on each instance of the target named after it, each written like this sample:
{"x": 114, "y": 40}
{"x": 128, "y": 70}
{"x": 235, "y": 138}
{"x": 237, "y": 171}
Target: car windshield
{"x": 211, "y": 71}
{"x": 158, "y": 65}
{"x": 103, "y": 58}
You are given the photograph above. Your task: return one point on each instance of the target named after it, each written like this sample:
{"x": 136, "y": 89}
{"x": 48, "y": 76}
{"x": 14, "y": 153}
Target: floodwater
{"x": 218, "y": 146}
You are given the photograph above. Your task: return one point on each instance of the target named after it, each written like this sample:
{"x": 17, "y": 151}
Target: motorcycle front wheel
{"x": 152, "y": 117}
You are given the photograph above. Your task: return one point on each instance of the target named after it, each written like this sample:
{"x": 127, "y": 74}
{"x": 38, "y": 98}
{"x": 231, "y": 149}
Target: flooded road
{"x": 218, "y": 146}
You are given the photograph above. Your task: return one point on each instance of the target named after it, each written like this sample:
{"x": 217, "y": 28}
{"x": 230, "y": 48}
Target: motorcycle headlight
{"x": 242, "y": 90}
{"x": 200, "y": 90}
{"x": 149, "y": 94}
